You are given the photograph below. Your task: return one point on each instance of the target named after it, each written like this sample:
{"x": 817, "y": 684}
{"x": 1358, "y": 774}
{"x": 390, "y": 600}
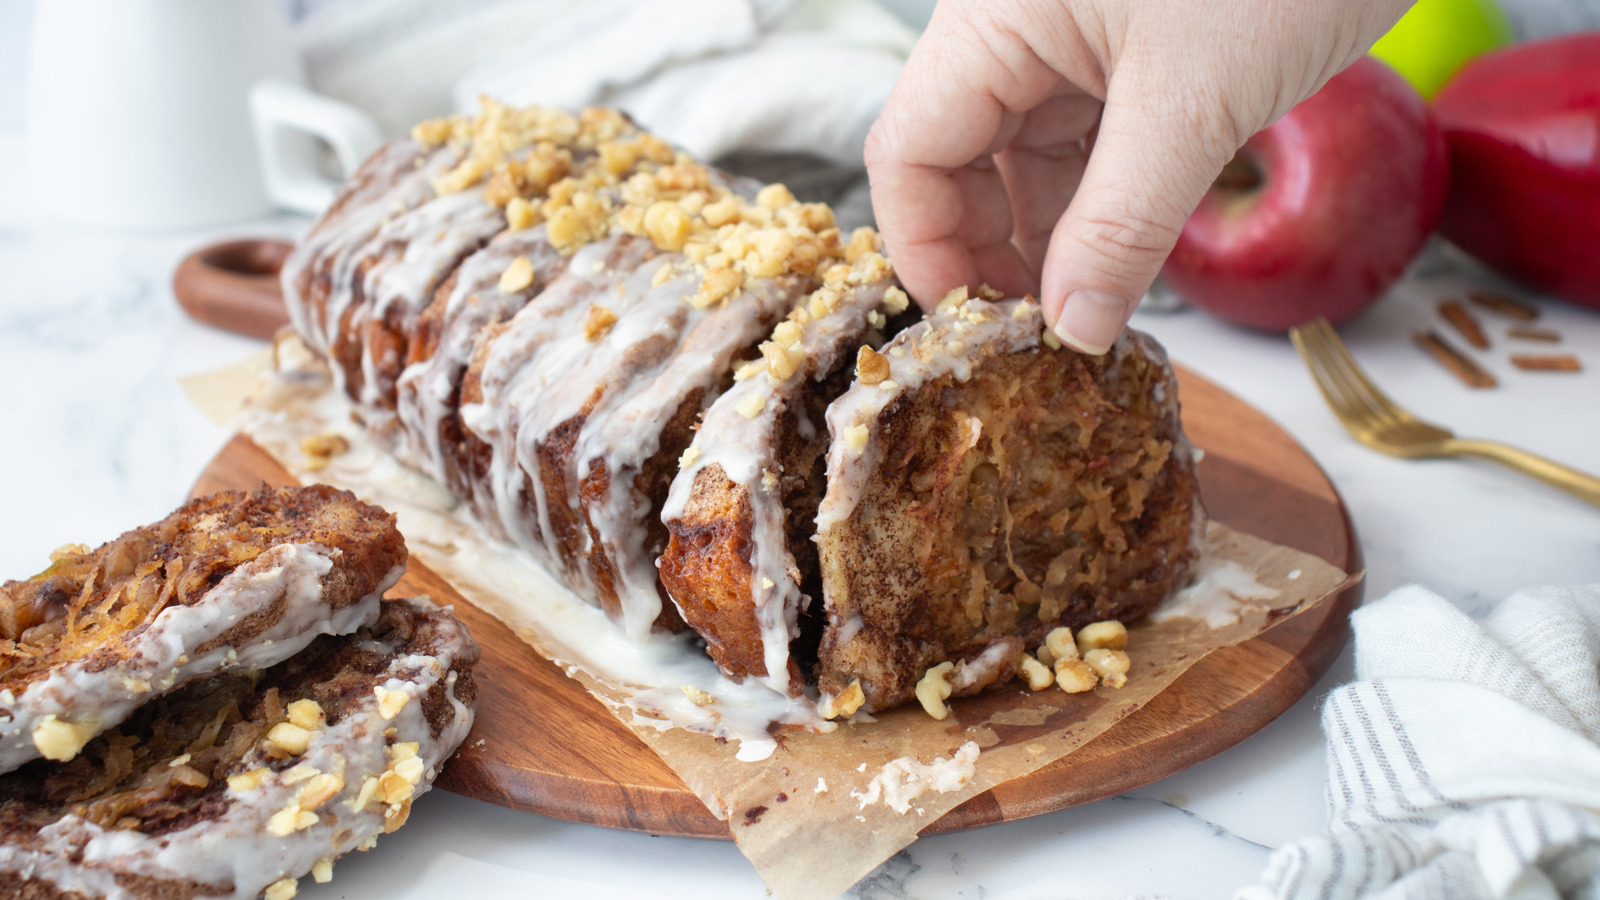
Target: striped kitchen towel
{"x": 1464, "y": 761}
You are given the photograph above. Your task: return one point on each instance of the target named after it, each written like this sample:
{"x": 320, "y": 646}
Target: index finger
{"x": 959, "y": 99}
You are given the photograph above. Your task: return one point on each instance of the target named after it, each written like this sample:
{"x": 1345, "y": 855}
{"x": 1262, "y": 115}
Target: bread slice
{"x": 229, "y": 581}
{"x": 248, "y": 780}
{"x": 740, "y": 565}
{"x": 1001, "y": 487}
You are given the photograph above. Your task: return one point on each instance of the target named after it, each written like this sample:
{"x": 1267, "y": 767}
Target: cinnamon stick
{"x": 1505, "y": 306}
{"x": 1555, "y": 362}
{"x": 1465, "y": 322}
{"x": 1460, "y": 365}
{"x": 1534, "y": 334}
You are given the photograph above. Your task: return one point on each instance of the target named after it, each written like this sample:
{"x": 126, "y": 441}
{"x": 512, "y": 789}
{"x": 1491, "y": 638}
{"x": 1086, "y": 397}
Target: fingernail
{"x": 1091, "y": 321}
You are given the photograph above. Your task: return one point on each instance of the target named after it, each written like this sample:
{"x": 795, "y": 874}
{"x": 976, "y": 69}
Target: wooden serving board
{"x": 543, "y": 745}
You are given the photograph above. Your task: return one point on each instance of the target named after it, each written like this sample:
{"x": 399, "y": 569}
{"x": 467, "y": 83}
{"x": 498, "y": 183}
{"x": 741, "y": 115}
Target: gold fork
{"x": 1375, "y": 420}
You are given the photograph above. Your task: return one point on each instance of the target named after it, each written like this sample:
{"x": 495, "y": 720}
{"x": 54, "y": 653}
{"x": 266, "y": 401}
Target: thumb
{"x": 1150, "y": 165}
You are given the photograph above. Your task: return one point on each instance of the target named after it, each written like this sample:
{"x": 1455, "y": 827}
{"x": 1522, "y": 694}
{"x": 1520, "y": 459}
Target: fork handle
{"x": 1579, "y": 484}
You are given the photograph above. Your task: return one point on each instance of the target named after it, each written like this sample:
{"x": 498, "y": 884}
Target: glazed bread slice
{"x": 246, "y": 781}
{"x": 740, "y": 564}
{"x": 229, "y": 581}
{"x": 1000, "y": 488}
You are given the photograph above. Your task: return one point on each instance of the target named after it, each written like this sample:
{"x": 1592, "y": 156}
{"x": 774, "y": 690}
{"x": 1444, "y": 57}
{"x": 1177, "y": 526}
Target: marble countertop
{"x": 100, "y": 438}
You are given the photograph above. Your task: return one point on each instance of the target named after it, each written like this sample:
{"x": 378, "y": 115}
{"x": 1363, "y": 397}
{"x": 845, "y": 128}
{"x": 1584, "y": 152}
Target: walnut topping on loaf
{"x": 251, "y": 779}
{"x": 231, "y": 580}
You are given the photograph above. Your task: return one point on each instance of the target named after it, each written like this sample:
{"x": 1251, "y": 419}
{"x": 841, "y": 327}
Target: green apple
{"x": 1437, "y": 37}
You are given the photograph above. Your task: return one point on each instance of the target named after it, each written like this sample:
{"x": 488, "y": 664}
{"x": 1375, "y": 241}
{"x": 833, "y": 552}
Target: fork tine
{"x": 1370, "y": 412}
{"x": 1327, "y": 373}
{"x": 1382, "y": 407}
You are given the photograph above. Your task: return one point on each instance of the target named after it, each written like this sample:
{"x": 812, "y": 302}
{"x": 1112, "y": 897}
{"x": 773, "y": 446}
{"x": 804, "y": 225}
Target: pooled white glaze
{"x": 163, "y": 656}
{"x": 236, "y": 849}
{"x": 1221, "y": 592}
{"x": 744, "y": 446}
{"x": 903, "y": 780}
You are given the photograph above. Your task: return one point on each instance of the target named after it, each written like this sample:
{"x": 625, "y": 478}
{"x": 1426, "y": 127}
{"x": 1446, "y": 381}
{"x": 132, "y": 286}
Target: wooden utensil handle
{"x": 234, "y": 286}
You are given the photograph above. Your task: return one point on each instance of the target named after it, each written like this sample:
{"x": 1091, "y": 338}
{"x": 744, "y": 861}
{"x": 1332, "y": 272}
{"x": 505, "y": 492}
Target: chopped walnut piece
{"x": 697, "y": 696}
{"x": 282, "y": 889}
{"x": 322, "y": 870}
{"x": 1060, "y": 644}
{"x": 306, "y": 713}
{"x": 781, "y": 363}
{"x": 517, "y": 276}
{"x": 1111, "y": 665}
{"x": 872, "y": 367}
{"x": 288, "y": 739}
{"x": 955, "y": 298}
{"x": 774, "y": 196}
{"x": 245, "y": 782}
{"x": 788, "y": 334}
{"x": 319, "y": 790}
{"x": 845, "y": 704}
{"x": 749, "y": 369}
{"x": 985, "y": 292}
{"x": 690, "y": 454}
{"x": 1075, "y": 676}
{"x": 1038, "y": 674}
{"x": 934, "y": 689}
{"x": 598, "y": 323}
{"x": 863, "y": 240}
{"x": 390, "y": 702}
{"x": 719, "y": 283}
{"x": 855, "y": 437}
{"x": 59, "y": 740}
{"x": 1050, "y": 340}
{"x": 521, "y": 214}
{"x": 667, "y": 225}
{"x": 1109, "y": 634}
{"x": 751, "y": 406}
{"x": 896, "y": 301}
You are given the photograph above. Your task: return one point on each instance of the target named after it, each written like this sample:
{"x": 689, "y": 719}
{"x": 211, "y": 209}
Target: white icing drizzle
{"x": 903, "y": 780}
{"x": 236, "y": 848}
{"x": 163, "y": 656}
{"x": 398, "y": 178}
{"x": 627, "y": 433}
{"x": 426, "y": 390}
{"x": 542, "y": 369}
{"x": 744, "y": 447}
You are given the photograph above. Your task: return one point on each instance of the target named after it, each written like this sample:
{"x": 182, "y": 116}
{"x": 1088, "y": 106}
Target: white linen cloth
{"x": 1464, "y": 761}
{"x": 712, "y": 76}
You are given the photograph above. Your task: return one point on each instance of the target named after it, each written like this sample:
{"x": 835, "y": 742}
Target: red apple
{"x": 1320, "y": 212}
{"x": 1523, "y": 126}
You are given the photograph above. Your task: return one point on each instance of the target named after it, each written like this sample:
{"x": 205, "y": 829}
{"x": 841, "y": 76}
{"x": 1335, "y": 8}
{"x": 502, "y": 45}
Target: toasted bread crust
{"x": 230, "y": 579}
{"x": 151, "y": 802}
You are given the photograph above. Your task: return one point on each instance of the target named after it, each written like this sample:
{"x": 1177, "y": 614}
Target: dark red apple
{"x": 1523, "y": 126}
{"x": 1320, "y": 212}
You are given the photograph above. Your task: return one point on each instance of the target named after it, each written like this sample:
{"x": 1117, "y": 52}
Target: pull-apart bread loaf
{"x": 633, "y": 367}
{"x": 237, "y": 785}
{"x": 228, "y": 581}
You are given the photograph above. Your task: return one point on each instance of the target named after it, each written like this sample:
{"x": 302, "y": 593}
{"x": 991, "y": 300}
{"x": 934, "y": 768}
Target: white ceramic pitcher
{"x": 139, "y": 114}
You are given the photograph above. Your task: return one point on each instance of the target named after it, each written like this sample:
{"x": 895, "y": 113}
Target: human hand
{"x": 1057, "y": 147}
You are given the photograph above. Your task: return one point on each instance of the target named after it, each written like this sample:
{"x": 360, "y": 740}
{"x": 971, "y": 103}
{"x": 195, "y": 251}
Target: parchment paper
{"x": 799, "y": 815}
